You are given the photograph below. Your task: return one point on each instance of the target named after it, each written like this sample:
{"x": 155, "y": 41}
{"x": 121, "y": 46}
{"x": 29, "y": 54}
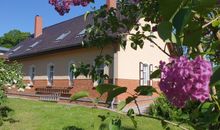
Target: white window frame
{"x": 49, "y": 80}
{"x": 102, "y": 68}
{"x": 32, "y": 74}
{"x": 144, "y": 74}
{"x": 71, "y": 76}
{"x": 151, "y": 70}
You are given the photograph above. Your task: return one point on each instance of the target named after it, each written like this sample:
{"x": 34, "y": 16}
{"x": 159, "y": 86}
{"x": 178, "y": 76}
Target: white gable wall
{"x": 127, "y": 61}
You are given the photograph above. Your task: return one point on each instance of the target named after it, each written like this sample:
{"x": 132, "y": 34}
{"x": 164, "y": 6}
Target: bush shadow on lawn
{"x": 71, "y": 128}
{"x": 102, "y": 127}
{"x": 6, "y": 113}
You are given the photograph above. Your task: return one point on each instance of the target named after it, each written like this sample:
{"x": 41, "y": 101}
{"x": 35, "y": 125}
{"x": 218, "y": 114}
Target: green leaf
{"x": 131, "y": 115}
{"x": 181, "y": 19}
{"x": 168, "y": 8}
{"x": 103, "y": 126}
{"x": 103, "y": 88}
{"x": 1, "y": 122}
{"x": 155, "y": 74}
{"x": 122, "y": 104}
{"x": 102, "y": 117}
{"x": 79, "y": 95}
{"x": 115, "y": 124}
{"x": 164, "y": 124}
{"x": 86, "y": 15}
{"x": 192, "y": 35}
{"x": 146, "y": 27}
{"x": 215, "y": 76}
{"x": 202, "y": 6}
{"x": 216, "y": 23}
{"x": 217, "y": 86}
{"x": 165, "y": 30}
{"x": 145, "y": 90}
{"x": 134, "y": 46}
{"x": 206, "y": 105}
{"x": 114, "y": 93}
{"x": 212, "y": 117}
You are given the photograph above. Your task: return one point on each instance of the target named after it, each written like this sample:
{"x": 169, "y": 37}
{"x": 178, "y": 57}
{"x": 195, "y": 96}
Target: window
{"x": 16, "y": 49}
{"x": 32, "y": 74}
{"x": 151, "y": 70}
{"x": 71, "y": 74}
{"x": 100, "y": 71}
{"x": 144, "y": 74}
{"x": 62, "y": 36}
{"x": 50, "y": 74}
{"x": 81, "y": 34}
{"x": 35, "y": 44}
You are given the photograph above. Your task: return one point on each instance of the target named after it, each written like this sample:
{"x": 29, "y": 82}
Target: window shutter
{"x": 141, "y": 76}
{"x": 151, "y": 67}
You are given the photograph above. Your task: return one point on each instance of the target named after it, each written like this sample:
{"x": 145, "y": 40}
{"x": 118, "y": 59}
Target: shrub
{"x": 163, "y": 108}
{"x": 10, "y": 74}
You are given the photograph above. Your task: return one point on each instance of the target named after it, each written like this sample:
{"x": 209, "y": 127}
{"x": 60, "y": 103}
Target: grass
{"x": 36, "y": 115}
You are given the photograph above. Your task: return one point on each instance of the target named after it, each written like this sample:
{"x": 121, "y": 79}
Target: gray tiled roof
{"x": 56, "y": 37}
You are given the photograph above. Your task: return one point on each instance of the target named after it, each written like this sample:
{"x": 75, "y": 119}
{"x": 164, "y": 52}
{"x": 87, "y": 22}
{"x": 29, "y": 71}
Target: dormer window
{"x": 62, "y": 36}
{"x": 80, "y": 34}
{"x": 16, "y": 49}
{"x": 35, "y": 44}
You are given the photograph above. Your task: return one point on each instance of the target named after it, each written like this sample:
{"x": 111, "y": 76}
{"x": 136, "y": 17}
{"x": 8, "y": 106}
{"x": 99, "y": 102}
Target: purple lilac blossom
{"x": 63, "y": 6}
{"x": 183, "y": 80}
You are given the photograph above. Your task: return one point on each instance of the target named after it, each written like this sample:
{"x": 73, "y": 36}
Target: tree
{"x": 10, "y": 74}
{"x": 190, "y": 29}
{"x": 13, "y": 37}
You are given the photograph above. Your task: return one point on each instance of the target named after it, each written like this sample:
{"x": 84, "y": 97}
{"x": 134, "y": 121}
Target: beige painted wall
{"x": 61, "y": 62}
{"x": 127, "y": 61}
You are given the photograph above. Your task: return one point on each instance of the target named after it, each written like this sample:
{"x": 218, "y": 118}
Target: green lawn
{"x": 35, "y": 115}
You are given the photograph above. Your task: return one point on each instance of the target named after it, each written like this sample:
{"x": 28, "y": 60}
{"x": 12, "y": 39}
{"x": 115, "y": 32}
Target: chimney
{"x": 111, "y": 4}
{"x": 38, "y": 28}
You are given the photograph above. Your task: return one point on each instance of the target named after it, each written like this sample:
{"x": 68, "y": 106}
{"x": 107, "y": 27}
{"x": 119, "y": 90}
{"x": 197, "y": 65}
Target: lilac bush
{"x": 183, "y": 80}
{"x": 63, "y": 6}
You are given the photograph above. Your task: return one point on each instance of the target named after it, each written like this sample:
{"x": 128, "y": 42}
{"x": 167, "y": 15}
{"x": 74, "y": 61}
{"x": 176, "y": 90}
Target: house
{"x": 48, "y": 56}
{"x": 3, "y": 50}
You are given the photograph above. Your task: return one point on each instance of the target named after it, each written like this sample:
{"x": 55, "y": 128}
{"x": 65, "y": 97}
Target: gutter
{"x": 48, "y": 51}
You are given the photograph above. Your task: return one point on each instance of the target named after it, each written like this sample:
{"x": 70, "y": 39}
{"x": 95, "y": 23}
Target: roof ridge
{"x": 49, "y": 37}
{"x": 63, "y": 21}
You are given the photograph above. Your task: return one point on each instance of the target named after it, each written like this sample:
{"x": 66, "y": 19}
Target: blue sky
{"x": 19, "y": 14}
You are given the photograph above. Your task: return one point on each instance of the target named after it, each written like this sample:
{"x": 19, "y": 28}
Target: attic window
{"x": 28, "y": 49}
{"x": 80, "y": 34}
{"x": 36, "y": 43}
{"x": 62, "y": 36}
{"x": 17, "y": 48}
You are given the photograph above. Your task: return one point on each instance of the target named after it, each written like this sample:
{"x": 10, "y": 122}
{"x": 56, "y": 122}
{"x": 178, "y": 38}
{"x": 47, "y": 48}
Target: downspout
{"x": 115, "y": 67}
{"x": 112, "y": 4}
